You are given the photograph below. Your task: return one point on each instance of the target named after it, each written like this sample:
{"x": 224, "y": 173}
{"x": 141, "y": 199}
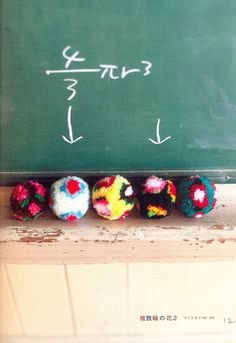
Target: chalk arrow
{"x": 159, "y": 141}
{"x": 71, "y": 140}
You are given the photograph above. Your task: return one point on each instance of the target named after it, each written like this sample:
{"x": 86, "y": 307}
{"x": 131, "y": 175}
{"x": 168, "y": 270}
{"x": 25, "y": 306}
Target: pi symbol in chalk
{"x": 73, "y": 58}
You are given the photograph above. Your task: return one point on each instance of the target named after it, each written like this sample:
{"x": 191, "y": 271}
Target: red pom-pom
{"x": 28, "y": 200}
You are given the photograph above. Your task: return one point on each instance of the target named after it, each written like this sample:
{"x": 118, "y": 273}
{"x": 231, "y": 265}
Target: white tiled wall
{"x": 108, "y": 299}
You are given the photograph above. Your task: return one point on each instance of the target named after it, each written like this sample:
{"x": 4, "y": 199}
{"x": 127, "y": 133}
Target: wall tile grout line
{"x": 18, "y": 313}
{"x": 72, "y": 312}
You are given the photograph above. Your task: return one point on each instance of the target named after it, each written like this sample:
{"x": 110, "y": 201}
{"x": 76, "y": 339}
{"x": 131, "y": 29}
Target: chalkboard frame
{"x": 226, "y": 176}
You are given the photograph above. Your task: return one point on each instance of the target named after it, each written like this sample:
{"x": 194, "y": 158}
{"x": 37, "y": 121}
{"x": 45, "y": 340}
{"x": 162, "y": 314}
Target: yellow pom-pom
{"x": 113, "y": 197}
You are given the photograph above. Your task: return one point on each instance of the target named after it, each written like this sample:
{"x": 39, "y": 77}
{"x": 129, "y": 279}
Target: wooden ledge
{"x": 93, "y": 239}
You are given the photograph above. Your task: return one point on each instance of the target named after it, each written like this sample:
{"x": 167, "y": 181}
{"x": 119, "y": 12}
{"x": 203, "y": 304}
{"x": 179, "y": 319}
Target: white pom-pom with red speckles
{"x": 69, "y": 198}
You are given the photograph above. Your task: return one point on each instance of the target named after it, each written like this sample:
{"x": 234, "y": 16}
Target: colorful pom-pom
{"x": 69, "y": 198}
{"x": 156, "y": 198}
{"x": 113, "y": 197}
{"x": 28, "y": 200}
{"x": 196, "y": 196}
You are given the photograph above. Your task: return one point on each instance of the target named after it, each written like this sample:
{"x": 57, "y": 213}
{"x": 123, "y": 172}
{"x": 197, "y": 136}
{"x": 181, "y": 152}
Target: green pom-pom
{"x": 197, "y": 196}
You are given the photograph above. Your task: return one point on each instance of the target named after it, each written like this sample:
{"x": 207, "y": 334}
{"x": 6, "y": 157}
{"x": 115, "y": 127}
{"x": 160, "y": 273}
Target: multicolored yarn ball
{"x": 28, "y": 200}
{"x": 113, "y": 197}
{"x": 157, "y": 198}
{"x": 196, "y": 196}
{"x": 69, "y": 198}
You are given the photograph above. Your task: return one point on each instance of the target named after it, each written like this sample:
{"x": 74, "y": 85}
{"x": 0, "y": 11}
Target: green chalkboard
{"x": 118, "y": 85}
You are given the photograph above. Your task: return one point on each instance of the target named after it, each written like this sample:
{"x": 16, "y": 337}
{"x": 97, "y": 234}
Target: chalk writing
{"x": 110, "y": 71}
{"x": 105, "y": 69}
{"x": 158, "y": 137}
{"x": 71, "y": 139}
{"x": 148, "y": 67}
{"x": 72, "y": 58}
{"x": 73, "y": 82}
{"x": 108, "y": 68}
{"x": 129, "y": 71}
{"x": 70, "y": 88}
{"x": 65, "y": 71}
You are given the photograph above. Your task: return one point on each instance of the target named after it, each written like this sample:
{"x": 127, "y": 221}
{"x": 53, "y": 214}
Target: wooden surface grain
{"x": 93, "y": 239}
